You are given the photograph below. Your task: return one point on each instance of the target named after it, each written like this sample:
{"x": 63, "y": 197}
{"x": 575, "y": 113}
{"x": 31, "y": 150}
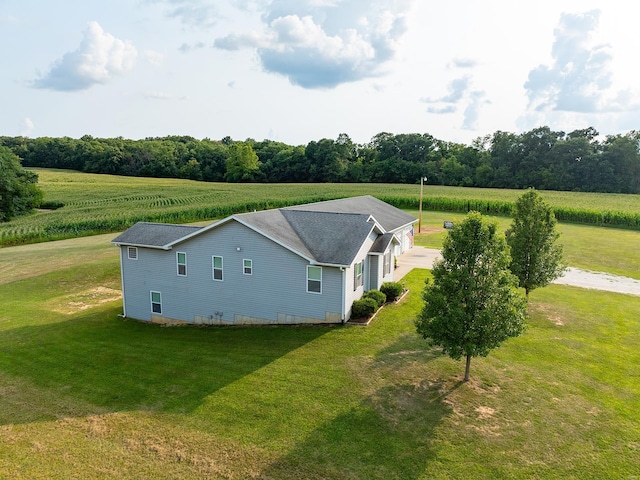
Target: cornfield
{"x": 86, "y": 204}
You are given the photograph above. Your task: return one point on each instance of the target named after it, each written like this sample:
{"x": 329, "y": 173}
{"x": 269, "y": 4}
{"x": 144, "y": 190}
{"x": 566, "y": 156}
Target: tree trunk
{"x": 468, "y": 368}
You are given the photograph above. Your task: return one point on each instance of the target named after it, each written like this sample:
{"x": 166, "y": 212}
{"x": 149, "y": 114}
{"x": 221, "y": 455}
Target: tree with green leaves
{"x": 536, "y": 257}
{"x": 242, "y": 164}
{"x": 19, "y": 192}
{"x": 473, "y": 303}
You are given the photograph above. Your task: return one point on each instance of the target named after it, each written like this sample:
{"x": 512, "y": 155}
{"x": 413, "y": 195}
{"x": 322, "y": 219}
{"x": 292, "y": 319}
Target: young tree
{"x": 536, "y": 258}
{"x": 473, "y": 304}
{"x": 18, "y": 190}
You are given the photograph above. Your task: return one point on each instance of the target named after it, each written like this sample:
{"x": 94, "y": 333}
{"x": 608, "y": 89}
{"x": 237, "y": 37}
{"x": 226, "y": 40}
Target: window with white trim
{"x": 181, "y": 259}
{"x": 156, "y": 303}
{"x": 216, "y": 263}
{"x": 387, "y": 263}
{"x": 247, "y": 266}
{"x": 132, "y": 253}
{"x": 357, "y": 275}
{"x": 314, "y": 279}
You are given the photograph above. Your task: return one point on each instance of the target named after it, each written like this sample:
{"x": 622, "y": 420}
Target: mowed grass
{"x": 87, "y": 394}
{"x": 105, "y": 203}
{"x": 610, "y": 250}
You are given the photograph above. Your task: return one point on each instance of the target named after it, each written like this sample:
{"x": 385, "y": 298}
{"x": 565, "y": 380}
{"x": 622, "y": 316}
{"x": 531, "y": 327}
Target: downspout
{"x": 344, "y": 299}
{"x": 124, "y": 305}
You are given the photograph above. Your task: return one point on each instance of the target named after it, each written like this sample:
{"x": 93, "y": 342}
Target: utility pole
{"x": 422, "y": 180}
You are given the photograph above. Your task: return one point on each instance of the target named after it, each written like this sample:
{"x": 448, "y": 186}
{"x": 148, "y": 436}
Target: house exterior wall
{"x": 405, "y": 236}
{"x": 375, "y": 272}
{"x": 352, "y": 294}
{"x": 390, "y": 276}
{"x": 275, "y": 292}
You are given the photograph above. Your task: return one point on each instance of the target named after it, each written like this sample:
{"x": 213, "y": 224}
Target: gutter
{"x": 344, "y": 299}
{"x": 124, "y": 303}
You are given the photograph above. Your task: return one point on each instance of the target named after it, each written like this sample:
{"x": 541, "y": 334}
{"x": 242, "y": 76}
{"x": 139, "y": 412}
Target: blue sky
{"x": 302, "y": 70}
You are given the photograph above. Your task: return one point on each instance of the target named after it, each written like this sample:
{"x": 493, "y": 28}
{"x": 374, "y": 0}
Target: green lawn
{"x": 87, "y": 394}
{"x": 610, "y": 250}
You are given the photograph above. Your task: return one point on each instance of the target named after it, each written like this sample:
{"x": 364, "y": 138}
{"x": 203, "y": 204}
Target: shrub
{"x": 377, "y": 295}
{"x": 392, "y": 290}
{"x": 51, "y": 205}
{"x": 363, "y": 307}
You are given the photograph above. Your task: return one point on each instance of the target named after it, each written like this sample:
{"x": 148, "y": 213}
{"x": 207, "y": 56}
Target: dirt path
{"x": 421, "y": 257}
{"x": 599, "y": 281}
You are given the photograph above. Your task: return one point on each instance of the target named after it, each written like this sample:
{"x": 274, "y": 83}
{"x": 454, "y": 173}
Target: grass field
{"x": 599, "y": 249}
{"x": 105, "y": 203}
{"x": 86, "y": 394}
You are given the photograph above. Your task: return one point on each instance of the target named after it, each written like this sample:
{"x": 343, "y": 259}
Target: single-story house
{"x": 301, "y": 264}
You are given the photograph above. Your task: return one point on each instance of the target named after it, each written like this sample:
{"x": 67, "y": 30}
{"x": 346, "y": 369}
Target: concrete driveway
{"x": 416, "y": 257}
{"x": 421, "y": 257}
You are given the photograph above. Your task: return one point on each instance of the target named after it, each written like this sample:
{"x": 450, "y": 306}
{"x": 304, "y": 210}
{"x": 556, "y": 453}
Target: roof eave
{"x": 155, "y": 247}
{"x": 198, "y": 232}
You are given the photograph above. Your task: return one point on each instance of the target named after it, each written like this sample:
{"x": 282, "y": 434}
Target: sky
{"x": 301, "y": 70}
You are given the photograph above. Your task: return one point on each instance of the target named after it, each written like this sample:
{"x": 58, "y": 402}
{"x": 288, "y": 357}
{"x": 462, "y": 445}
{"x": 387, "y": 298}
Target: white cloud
{"x": 192, "y": 13}
{"x": 315, "y": 44}
{"x": 580, "y": 79}
{"x": 186, "y": 48}
{"x": 464, "y": 63}
{"x": 457, "y": 88}
{"x": 156, "y": 96}
{"x": 472, "y": 111}
{"x": 99, "y": 58}
{"x": 8, "y": 19}
{"x": 153, "y": 58}
{"x": 459, "y": 95}
{"x": 27, "y": 127}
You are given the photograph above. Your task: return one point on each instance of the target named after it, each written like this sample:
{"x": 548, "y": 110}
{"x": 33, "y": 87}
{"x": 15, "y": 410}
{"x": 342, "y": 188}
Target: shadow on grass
{"x": 98, "y": 363}
{"x": 409, "y": 347}
{"x": 387, "y": 436}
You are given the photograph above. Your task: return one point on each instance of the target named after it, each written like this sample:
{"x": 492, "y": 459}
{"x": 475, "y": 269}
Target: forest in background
{"x": 540, "y": 158}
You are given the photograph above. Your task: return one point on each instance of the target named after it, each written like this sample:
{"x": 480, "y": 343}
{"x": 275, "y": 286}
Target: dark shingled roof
{"x": 388, "y": 216}
{"x": 329, "y": 233}
{"x": 329, "y": 238}
{"x": 382, "y": 243}
{"x": 155, "y": 235}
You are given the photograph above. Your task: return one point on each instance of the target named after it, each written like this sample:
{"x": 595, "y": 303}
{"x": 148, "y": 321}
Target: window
{"x": 314, "y": 279}
{"x": 217, "y": 268}
{"x": 156, "y": 303}
{"x": 357, "y": 274}
{"x": 387, "y": 264}
{"x": 182, "y": 263}
{"x": 132, "y": 252}
{"x": 247, "y": 267}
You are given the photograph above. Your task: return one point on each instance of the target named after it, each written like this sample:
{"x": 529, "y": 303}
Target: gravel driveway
{"x": 421, "y": 257}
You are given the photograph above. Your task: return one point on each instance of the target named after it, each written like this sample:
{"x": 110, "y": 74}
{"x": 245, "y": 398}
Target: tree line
{"x": 540, "y": 158}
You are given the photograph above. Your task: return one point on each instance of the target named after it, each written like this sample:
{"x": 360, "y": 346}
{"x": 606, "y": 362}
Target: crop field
{"x": 87, "y": 394}
{"x": 104, "y": 203}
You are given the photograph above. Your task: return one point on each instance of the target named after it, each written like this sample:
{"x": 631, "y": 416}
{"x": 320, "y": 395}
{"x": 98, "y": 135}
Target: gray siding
{"x": 274, "y": 293}
{"x": 375, "y": 272}
{"x": 351, "y": 294}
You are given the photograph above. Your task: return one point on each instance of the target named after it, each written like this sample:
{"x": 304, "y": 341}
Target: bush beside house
{"x": 364, "y": 307}
{"x": 392, "y": 290}
{"x": 379, "y": 297}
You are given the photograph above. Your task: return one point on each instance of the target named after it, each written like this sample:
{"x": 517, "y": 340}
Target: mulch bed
{"x": 364, "y": 321}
